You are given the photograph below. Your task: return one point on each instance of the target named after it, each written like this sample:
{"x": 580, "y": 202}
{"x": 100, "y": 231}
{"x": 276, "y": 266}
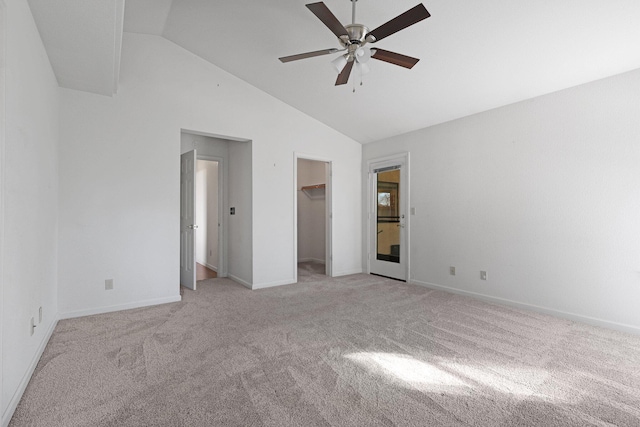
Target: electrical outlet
{"x": 483, "y": 275}
{"x": 452, "y": 271}
{"x": 32, "y": 327}
{"x": 108, "y": 284}
{"x": 40, "y": 315}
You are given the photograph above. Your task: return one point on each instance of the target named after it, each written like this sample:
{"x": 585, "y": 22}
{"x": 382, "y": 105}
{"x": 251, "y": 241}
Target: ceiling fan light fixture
{"x": 339, "y": 63}
{"x": 363, "y": 54}
{"x": 362, "y": 68}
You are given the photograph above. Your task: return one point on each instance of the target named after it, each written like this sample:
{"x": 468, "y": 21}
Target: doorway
{"x": 228, "y": 154}
{"x": 312, "y": 219}
{"x": 388, "y": 221}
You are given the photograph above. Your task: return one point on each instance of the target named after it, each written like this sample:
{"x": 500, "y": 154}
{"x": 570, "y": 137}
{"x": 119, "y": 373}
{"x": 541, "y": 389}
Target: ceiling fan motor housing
{"x": 357, "y": 35}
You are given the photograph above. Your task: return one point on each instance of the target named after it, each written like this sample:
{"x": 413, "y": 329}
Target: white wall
{"x": 211, "y": 256}
{"x": 207, "y": 212}
{"x": 311, "y": 212}
{"x": 30, "y": 209}
{"x": 542, "y": 194}
{"x": 201, "y": 211}
{"x": 240, "y": 244}
{"x": 120, "y": 178}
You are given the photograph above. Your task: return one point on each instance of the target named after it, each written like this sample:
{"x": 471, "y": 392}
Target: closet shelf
{"x": 314, "y": 191}
{"x": 313, "y": 187}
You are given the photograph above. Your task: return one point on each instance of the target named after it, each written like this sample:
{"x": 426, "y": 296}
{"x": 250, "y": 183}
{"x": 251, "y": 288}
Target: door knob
{"x": 192, "y": 226}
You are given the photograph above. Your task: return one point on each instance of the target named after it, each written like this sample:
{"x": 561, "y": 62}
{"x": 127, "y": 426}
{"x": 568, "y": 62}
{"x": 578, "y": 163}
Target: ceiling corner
{"x": 147, "y": 16}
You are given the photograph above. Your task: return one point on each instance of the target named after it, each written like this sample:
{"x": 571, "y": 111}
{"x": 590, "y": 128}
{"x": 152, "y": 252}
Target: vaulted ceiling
{"x": 83, "y": 40}
{"x": 474, "y": 55}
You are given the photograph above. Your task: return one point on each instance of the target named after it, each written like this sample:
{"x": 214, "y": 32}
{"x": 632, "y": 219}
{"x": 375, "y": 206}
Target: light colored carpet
{"x": 355, "y": 351}
{"x": 310, "y": 272}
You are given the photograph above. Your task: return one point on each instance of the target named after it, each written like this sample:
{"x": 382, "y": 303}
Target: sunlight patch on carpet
{"x": 504, "y": 379}
{"x": 460, "y": 378}
{"x": 406, "y": 369}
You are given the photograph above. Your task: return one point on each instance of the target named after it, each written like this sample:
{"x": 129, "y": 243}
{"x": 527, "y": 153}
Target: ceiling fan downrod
{"x": 353, "y": 11}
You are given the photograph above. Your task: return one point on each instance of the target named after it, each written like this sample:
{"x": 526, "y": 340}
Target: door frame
{"x": 402, "y": 159}
{"x": 328, "y": 212}
{"x": 222, "y": 218}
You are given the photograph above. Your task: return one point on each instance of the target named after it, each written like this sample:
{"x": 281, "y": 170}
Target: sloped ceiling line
{"x": 474, "y": 56}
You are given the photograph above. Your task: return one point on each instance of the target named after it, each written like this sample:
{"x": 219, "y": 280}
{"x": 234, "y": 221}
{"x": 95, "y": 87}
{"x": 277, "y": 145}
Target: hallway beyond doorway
{"x": 203, "y": 273}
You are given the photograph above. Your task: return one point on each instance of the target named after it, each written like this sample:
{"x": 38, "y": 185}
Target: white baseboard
{"x": 239, "y": 280}
{"x": 272, "y": 284}
{"x": 211, "y": 267}
{"x": 558, "y": 313}
{"x": 255, "y": 286}
{"x": 13, "y": 404}
{"x": 347, "y": 272}
{"x": 119, "y": 307}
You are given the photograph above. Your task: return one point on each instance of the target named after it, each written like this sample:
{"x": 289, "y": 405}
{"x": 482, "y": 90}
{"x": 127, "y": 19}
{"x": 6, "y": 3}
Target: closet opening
{"x": 313, "y": 219}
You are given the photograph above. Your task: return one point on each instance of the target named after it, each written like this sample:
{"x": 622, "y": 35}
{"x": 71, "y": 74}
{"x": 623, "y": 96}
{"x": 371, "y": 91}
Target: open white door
{"x": 187, "y": 220}
{"x": 388, "y": 253}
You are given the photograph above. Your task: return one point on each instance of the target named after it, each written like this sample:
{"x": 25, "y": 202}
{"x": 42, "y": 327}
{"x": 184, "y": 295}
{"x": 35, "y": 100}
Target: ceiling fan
{"x": 354, "y": 37}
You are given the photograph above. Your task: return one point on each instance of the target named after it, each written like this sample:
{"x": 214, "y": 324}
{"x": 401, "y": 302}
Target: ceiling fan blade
{"x": 395, "y": 58}
{"x": 307, "y": 55}
{"x": 400, "y": 22}
{"x": 343, "y": 77}
{"x": 329, "y": 19}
